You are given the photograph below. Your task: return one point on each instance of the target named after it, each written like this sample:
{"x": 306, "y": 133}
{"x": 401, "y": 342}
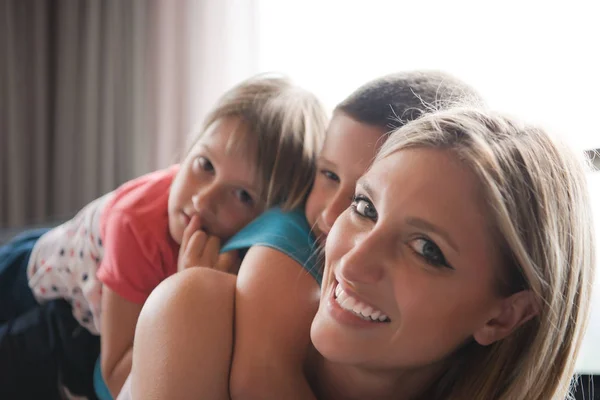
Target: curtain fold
{"x": 94, "y": 93}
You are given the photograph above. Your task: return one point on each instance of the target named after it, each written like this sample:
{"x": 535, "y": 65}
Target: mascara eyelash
{"x": 445, "y": 264}
{"x": 357, "y": 197}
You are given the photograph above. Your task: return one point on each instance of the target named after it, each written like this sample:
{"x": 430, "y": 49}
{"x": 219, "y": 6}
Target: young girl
{"x": 269, "y": 346}
{"x": 256, "y": 150}
{"x": 462, "y": 270}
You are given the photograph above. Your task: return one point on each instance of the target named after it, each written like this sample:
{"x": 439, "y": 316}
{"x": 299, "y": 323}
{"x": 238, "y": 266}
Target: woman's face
{"x": 410, "y": 266}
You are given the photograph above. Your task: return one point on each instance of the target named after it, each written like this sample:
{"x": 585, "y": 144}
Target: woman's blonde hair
{"x": 284, "y": 129}
{"x": 538, "y": 201}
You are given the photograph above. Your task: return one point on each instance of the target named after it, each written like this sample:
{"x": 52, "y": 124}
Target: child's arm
{"x": 276, "y": 301}
{"x": 119, "y": 318}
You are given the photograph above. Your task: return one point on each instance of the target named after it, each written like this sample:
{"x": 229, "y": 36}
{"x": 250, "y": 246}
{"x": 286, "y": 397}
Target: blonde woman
{"x": 472, "y": 235}
{"x": 462, "y": 270}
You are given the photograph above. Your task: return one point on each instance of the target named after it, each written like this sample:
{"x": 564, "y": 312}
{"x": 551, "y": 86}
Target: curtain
{"x": 94, "y": 93}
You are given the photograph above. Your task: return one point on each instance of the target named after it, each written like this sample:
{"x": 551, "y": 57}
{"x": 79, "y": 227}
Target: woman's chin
{"x": 331, "y": 343}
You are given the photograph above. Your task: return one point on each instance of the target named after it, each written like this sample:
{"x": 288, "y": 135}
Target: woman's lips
{"x": 351, "y": 311}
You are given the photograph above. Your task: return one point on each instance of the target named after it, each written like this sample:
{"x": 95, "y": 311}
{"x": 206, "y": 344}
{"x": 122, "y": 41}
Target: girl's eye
{"x": 430, "y": 252}
{"x": 330, "y": 175}
{"x": 363, "y": 207}
{"x": 203, "y": 164}
{"x": 244, "y": 197}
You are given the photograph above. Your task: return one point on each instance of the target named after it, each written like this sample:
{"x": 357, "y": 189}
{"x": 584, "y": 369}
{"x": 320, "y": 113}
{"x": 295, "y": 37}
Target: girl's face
{"x": 218, "y": 184}
{"x": 410, "y": 266}
{"x": 349, "y": 149}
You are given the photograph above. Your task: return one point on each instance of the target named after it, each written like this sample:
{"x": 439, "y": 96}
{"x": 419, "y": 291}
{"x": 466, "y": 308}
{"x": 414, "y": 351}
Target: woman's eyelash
{"x": 368, "y": 211}
{"x": 441, "y": 259}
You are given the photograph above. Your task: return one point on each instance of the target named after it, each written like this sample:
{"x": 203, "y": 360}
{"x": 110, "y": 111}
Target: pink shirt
{"x": 121, "y": 240}
{"x": 139, "y": 251}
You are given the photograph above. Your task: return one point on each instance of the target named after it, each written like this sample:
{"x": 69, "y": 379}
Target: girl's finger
{"x": 189, "y": 230}
{"x": 196, "y": 244}
{"x": 229, "y": 262}
{"x": 211, "y": 252}
{"x": 191, "y": 257}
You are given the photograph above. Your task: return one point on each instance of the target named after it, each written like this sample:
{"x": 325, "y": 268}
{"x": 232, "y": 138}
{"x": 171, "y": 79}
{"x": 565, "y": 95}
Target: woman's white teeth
{"x": 338, "y": 290}
{"x": 348, "y": 303}
{"x": 357, "y": 307}
{"x": 367, "y": 311}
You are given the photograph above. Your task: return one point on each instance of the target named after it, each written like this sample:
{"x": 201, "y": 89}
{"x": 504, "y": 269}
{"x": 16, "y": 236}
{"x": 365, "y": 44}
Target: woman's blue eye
{"x": 204, "y": 164}
{"x": 330, "y": 175}
{"x": 363, "y": 207}
{"x": 430, "y": 252}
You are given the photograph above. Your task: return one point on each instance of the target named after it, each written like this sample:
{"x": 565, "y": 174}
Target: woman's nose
{"x": 366, "y": 260}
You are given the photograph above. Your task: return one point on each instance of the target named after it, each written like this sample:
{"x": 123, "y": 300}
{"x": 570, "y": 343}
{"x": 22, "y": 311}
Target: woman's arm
{"x": 276, "y": 300}
{"x": 119, "y": 318}
{"x": 183, "y": 340}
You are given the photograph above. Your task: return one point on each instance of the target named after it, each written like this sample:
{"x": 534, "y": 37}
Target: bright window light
{"x": 538, "y": 59}
{"x": 534, "y": 59}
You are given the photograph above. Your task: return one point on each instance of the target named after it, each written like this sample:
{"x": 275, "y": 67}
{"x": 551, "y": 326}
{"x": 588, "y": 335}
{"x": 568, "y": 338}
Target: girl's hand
{"x": 201, "y": 250}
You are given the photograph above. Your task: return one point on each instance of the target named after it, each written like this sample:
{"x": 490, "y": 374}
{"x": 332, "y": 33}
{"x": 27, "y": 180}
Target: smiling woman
{"x": 462, "y": 269}
{"x": 425, "y": 235}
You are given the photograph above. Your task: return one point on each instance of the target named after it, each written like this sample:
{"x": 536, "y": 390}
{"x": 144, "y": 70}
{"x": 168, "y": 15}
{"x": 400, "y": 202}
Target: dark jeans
{"x": 42, "y": 347}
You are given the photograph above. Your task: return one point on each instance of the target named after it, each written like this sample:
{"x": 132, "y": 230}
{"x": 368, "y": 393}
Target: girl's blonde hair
{"x": 538, "y": 201}
{"x": 284, "y": 129}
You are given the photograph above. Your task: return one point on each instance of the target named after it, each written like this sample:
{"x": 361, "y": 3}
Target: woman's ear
{"x": 513, "y": 312}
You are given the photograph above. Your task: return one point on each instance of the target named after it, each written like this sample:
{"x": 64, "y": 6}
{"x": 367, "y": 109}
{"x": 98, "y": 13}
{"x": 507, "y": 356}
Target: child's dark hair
{"x": 393, "y": 100}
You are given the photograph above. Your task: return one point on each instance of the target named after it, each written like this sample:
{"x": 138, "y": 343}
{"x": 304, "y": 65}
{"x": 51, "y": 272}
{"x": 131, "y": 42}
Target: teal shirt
{"x": 287, "y": 232}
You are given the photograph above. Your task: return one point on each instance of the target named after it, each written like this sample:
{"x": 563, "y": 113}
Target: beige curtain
{"x": 93, "y": 93}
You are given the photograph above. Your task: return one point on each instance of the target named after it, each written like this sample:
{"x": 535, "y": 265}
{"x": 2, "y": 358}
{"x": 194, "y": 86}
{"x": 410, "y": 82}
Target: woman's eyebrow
{"x": 366, "y": 186}
{"x": 427, "y": 226}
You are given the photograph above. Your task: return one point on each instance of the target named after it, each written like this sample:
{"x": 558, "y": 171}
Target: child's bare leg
{"x": 183, "y": 340}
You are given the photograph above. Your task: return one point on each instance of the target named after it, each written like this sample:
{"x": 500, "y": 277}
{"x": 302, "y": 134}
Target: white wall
{"x": 536, "y": 58}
